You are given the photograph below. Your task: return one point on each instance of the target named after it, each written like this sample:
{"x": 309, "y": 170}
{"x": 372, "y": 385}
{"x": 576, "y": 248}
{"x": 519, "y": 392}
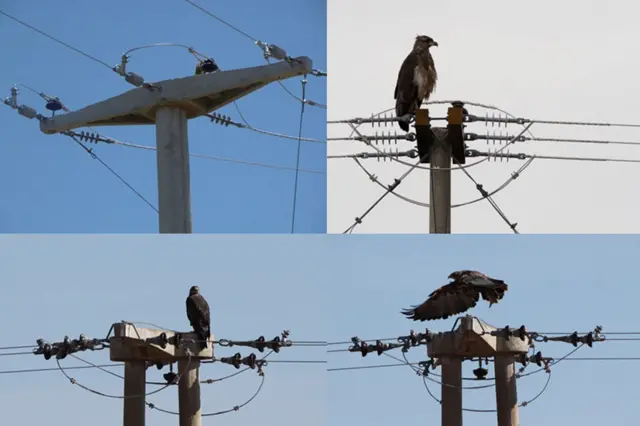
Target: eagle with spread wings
{"x": 458, "y": 296}
{"x": 199, "y": 315}
{"x": 416, "y": 79}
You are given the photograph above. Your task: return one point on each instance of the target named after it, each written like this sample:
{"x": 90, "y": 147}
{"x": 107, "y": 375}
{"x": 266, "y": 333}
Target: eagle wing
{"x": 406, "y": 91}
{"x": 451, "y": 299}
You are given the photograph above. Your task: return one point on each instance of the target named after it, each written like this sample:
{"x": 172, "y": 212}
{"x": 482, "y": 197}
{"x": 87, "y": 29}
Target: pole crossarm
{"x": 197, "y": 95}
{"x": 130, "y": 343}
{"x": 474, "y": 338}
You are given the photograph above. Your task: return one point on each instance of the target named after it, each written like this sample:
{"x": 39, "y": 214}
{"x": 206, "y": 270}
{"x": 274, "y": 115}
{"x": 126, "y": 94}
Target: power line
{"x": 157, "y": 44}
{"x": 546, "y": 333}
{"x": 224, "y": 159}
{"x": 77, "y": 137}
{"x": 236, "y": 29}
{"x": 119, "y": 365}
{"x": 586, "y": 141}
{"x": 235, "y": 408}
{"x": 95, "y": 157}
{"x": 6, "y": 348}
{"x": 93, "y": 58}
{"x": 246, "y": 126}
{"x": 583, "y": 123}
{"x": 390, "y": 137}
{"x": 472, "y": 153}
{"x": 17, "y": 353}
{"x": 365, "y": 367}
{"x": 391, "y": 188}
{"x": 75, "y": 367}
{"x": 495, "y": 206}
{"x": 269, "y": 50}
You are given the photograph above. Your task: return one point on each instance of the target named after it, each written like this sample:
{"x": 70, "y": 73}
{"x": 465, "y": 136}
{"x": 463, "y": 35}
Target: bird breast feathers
{"x": 423, "y": 81}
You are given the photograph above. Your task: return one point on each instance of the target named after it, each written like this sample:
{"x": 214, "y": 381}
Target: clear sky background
{"x": 49, "y": 184}
{"x": 556, "y": 284}
{"x": 82, "y": 284}
{"x": 549, "y": 60}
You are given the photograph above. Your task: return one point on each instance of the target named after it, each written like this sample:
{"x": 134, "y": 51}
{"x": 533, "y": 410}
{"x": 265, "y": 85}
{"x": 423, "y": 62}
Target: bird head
{"x": 424, "y": 42}
{"x": 194, "y": 290}
{"x": 454, "y": 275}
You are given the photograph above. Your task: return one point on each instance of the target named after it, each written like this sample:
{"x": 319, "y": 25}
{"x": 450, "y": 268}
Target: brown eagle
{"x": 458, "y": 296}
{"x": 416, "y": 79}
{"x": 199, "y": 315}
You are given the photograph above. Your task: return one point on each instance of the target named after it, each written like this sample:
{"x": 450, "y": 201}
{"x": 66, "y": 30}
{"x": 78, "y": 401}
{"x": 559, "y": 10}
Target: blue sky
{"x": 83, "y": 284}
{"x": 556, "y": 284}
{"x": 50, "y": 184}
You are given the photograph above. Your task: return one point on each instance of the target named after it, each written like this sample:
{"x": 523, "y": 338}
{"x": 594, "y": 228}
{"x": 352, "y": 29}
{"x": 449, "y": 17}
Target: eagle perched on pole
{"x": 458, "y": 296}
{"x": 416, "y": 79}
{"x": 199, "y": 315}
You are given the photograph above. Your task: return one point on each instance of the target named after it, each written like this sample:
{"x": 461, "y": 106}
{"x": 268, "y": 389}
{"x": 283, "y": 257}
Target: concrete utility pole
{"x": 437, "y": 147}
{"x": 189, "y": 393}
{"x": 138, "y": 347}
{"x": 440, "y": 185}
{"x": 506, "y": 391}
{"x": 473, "y": 339}
{"x": 451, "y": 391}
{"x": 169, "y": 104}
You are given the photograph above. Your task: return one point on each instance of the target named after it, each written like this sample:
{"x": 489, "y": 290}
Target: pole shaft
{"x": 506, "y": 391}
{"x": 451, "y": 391}
{"x": 189, "y": 393}
{"x": 174, "y": 192}
{"x": 134, "y": 390}
{"x": 440, "y": 187}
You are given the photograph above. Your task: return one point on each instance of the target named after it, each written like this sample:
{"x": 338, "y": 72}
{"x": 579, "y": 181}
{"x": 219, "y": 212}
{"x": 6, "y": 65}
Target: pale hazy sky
{"x": 570, "y": 60}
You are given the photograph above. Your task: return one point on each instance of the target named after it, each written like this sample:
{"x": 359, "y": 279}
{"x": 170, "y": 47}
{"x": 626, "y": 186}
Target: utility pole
{"x": 174, "y": 189}
{"x": 139, "y": 347}
{"x": 135, "y": 373}
{"x": 451, "y": 391}
{"x": 476, "y": 339}
{"x": 168, "y": 105}
{"x": 506, "y": 391}
{"x": 440, "y": 185}
{"x": 437, "y": 147}
{"x": 189, "y": 393}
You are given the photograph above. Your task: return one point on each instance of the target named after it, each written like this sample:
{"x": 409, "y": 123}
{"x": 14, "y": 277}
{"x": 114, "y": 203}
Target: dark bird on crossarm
{"x": 416, "y": 80}
{"x": 458, "y": 296}
{"x": 206, "y": 66}
{"x": 199, "y": 315}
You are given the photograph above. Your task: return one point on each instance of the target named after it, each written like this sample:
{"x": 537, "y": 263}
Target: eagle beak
{"x": 435, "y": 43}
